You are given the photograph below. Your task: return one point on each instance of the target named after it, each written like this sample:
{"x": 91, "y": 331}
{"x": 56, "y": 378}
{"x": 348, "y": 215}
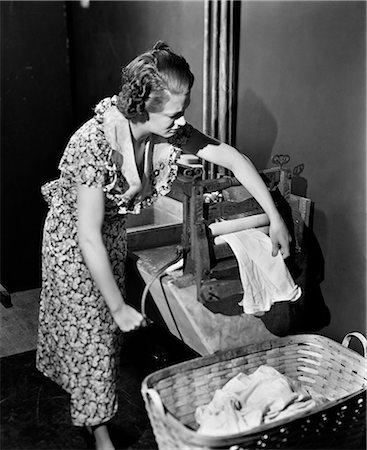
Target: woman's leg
{"x": 102, "y": 437}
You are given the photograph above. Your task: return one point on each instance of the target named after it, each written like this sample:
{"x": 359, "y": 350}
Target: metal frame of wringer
{"x": 210, "y": 261}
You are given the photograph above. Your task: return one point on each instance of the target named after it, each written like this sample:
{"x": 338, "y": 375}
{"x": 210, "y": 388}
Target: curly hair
{"x": 147, "y": 80}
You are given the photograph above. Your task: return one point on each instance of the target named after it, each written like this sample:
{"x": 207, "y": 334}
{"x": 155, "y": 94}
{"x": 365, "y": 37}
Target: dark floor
{"x": 35, "y": 411}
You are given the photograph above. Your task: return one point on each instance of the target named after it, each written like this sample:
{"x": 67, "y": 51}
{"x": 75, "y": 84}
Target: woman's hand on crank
{"x": 127, "y": 318}
{"x": 280, "y": 237}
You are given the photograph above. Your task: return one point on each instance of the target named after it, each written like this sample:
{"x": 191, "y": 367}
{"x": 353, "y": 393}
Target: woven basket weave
{"x": 322, "y": 365}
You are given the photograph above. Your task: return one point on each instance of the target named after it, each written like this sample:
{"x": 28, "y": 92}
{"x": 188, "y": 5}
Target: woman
{"x": 117, "y": 163}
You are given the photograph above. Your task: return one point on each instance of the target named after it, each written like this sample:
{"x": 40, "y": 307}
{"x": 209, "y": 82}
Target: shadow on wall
{"x": 260, "y": 129}
{"x": 310, "y": 313}
{"x": 299, "y": 184}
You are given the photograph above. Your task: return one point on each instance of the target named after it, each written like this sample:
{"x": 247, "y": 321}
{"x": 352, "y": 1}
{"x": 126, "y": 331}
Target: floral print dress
{"x": 78, "y": 341}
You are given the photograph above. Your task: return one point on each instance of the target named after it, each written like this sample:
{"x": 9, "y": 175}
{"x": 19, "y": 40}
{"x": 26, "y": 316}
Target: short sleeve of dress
{"x": 85, "y": 157}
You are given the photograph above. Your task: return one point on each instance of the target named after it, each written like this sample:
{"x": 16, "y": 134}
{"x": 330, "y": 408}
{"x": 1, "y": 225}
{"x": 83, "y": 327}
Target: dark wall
{"x": 35, "y": 122}
{"x": 108, "y": 35}
{"x": 302, "y": 92}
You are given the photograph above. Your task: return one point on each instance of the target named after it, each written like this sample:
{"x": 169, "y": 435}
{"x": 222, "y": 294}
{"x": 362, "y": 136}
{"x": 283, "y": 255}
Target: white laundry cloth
{"x": 248, "y": 401}
{"x": 265, "y": 278}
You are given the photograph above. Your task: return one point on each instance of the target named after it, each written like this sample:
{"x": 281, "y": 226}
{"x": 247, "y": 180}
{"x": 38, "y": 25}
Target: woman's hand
{"x": 280, "y": 237}
{"x": 127, "y": 318}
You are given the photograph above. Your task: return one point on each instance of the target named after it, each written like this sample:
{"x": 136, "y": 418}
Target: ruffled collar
{"x": 117, "y": 132}
{"x": 156, "y": 180}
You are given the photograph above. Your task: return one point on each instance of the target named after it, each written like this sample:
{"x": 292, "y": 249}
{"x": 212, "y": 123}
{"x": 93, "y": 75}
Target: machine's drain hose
{"x": 160, "y": 273}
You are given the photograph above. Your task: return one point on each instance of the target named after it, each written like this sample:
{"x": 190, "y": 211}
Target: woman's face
{"x": 166, "y": 122}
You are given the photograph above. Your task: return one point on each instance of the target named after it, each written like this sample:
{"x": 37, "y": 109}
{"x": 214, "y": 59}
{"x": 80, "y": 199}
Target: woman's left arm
{"x": 242, "y": 168}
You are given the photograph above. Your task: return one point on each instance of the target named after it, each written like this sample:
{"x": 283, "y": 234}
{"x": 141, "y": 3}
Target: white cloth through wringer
{"x": 265, "y": 278}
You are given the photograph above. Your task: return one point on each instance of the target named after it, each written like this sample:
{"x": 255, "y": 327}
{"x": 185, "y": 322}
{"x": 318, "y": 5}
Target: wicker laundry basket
{"x": 322, "y": 365}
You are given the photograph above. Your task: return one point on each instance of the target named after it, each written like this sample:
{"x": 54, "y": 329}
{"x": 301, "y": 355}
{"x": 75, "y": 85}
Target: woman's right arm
{"x": 90, "y": 221}
{"x": 227, "y": 156}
